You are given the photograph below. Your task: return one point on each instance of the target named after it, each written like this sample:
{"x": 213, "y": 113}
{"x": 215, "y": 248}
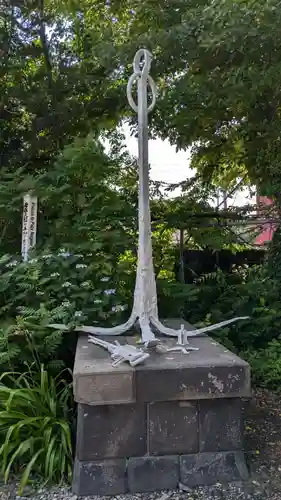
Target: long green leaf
{"x": 23, "y": 447}
{"x": 48, "y": 454}
{"x": 51, "y": 464}
{"x": 28, "y": 470}
{"x": 66, "y": 436}
{"x": 4, "y": 450}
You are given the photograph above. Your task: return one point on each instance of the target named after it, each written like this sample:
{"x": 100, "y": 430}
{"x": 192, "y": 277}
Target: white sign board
{"x": 29, "y": 224}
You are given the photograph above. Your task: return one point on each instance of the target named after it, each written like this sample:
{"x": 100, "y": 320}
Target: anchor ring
{"x": 151, "y": 84}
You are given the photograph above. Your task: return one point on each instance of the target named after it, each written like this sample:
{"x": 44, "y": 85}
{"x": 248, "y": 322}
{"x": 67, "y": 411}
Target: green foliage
{"x": 66, "y": 285}
{"x": 176, "y": 300}
{"x": 64, "y": 70}
{"x": 65, "y": 288}
{"x": 22, "y": 343}
{"x": 83, "y": 178}
{"x": 51, "y": 89}
{"x": 243, "y": 292}
{"x": 35, "y": 431}
{"x": 89, "y": 196}
{"x": 224, "y": 110}
{"x": 266, "y": 364}
{"x": 211, "y": 95}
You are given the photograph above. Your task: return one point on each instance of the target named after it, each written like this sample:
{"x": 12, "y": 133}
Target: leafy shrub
{"x": 71, "y": 285}
{"x": 22, "y": 342}
{"x": 65, "y": 288}
{"x": 176, "y": 300}
{"x": 244, "y": 292}
{"x": 266, "y": 364}
{"x": 35, "y": 429}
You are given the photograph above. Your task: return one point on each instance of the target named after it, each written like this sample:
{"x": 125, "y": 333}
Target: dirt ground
{"x": 263, "y": 442}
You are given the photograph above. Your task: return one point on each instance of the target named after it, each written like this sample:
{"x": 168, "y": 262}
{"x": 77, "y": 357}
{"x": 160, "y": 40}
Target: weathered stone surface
{"x": 211, "y": 372}
{"x": 209, "y": 468}
{"x": 95, "y": 381}
{"x": 220, "y": 425}
{"x": 117, "y": 431}
{"x": 143, "y": 427}
{"x": 99, "y": 478}
{"x": 172, "y": 428}
{"x": 153, "y": 473}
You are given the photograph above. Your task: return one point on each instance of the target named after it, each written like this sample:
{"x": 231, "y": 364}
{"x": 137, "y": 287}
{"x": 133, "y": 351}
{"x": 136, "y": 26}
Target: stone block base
{"x": 107, "y": 477}
{"x": 136, "y": 475}
{"x": 210, "y": 468}
{"x": 174, "y": 419}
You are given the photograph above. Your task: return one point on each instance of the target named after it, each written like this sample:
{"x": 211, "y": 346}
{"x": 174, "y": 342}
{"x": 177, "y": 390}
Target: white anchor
{"x": 145, "y": 310}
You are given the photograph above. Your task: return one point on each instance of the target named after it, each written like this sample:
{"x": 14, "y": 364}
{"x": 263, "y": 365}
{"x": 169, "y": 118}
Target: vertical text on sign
{"x": 29, "y": 224}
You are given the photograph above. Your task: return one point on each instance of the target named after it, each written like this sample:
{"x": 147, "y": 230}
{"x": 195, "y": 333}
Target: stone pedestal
{"x": 176, "y": 418}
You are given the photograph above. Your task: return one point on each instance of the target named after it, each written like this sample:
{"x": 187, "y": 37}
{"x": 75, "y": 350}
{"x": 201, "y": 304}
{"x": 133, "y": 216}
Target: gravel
{"x": 236, "y": 491}
{"x": 263, "y": 445}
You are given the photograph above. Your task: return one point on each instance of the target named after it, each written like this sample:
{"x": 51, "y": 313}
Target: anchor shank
{"x": 145, "y": 292}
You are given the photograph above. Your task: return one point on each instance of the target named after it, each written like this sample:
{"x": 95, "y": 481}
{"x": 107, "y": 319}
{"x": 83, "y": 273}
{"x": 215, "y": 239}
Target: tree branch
{"x": 44, "y": 43}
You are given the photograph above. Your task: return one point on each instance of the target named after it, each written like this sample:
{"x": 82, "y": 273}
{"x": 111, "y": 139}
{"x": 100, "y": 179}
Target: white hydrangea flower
{"x": 32, "y": 261}
{"x": 64, "y": 254}
{"x": 105, "y": 278}
{"x": 12, "y": 264}
{"x": 67, "y": 284}
{"x": 80, "y": 266}
{"x": 111, "y": 291}
{"x": 54, "y": 275}
{"x": 86, "y": 284}
{"x": 118, "y": 308}
{"x": 77, "y": 314}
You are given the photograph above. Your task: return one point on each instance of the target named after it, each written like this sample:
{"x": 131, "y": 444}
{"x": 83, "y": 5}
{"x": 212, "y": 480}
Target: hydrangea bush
{"x": 65, "y": 287}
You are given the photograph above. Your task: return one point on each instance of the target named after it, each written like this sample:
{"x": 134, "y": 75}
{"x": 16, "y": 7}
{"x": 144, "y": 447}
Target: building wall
{"x": 268, "y": 228}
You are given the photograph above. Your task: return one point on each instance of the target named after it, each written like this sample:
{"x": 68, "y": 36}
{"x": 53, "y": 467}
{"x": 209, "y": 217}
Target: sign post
{"x": 29, "y": 224}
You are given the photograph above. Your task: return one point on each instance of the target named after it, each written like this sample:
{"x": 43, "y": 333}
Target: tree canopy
{"x": 65, "y": 66}
{"x": 217, "y": 66}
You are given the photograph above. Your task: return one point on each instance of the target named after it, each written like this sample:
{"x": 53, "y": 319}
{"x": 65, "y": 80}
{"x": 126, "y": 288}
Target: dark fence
{"x": 194, "y": 263}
